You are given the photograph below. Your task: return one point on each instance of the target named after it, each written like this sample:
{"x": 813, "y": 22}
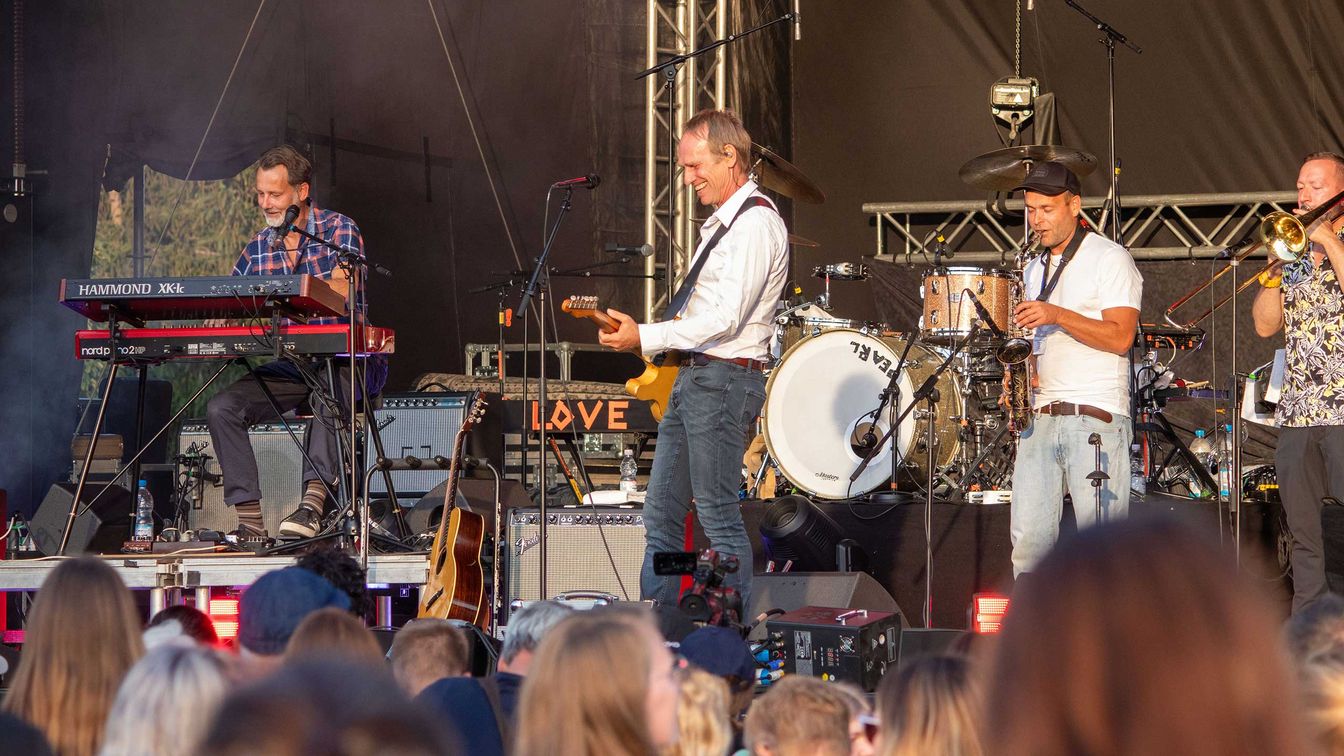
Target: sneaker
{"x": 303, "y": 522}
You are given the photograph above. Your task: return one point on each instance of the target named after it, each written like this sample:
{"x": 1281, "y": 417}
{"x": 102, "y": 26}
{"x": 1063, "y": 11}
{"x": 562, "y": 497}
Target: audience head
{"x": 704, "y": 725}
{"x": 330, "y": 707}
{"x": 334, "y": 633}
{"x": 800, "y": 716}
{"x": 527, "y": 626}
{"x": 425, "y": 650}
{"x": 1140, "y": 636}
{"x": 82, "y": 635}
{"x": 18, "y": 738}
{"x": 341, "y": 570}
{"x": 1323, "y": 694}
{"x": 930, "y": 705}
{"x": 274, "y": 605}
{"x": 181, "y": 620}
{"x": 583, "y": 684}
{"x": 1317, "y": 628}
{"x": 721, "y": 651}
{"x": 166, "y": 702}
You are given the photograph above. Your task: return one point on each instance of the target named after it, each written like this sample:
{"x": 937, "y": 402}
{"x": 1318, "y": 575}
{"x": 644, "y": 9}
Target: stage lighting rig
{"x": 1012, "y": 100}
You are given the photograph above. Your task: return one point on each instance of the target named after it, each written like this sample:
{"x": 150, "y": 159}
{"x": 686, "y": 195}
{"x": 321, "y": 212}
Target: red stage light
{"x": 987, "y": 612}
{"x": 224, "y": 613}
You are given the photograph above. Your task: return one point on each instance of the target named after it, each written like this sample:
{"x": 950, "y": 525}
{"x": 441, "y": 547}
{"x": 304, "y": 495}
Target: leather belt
{"x": 701, "y": 359}
{"x": 1067, "y": 408}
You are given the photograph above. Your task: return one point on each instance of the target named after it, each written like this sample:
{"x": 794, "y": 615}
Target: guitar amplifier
{"x": 419, "y": 424}
{"x": 577, "y": 542}
{"x": 280, "y": 468}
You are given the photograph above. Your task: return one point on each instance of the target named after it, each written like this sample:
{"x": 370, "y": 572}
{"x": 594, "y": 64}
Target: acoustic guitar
{"x": 654, "y": 385}
{"x": 456, "y": 585}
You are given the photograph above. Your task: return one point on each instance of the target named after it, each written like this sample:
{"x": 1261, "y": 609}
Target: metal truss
{"x": 676, "y": 27}
{"x": 1153, "y": 227}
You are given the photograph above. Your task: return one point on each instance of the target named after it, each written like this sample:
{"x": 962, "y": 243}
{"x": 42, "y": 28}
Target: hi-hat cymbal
{"x": 1002, "y": 170}
{"x": 779, "y": 175}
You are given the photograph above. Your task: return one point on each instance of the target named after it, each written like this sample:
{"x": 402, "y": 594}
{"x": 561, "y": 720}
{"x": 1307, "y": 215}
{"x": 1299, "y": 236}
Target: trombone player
{"x": 1304, "y": 299}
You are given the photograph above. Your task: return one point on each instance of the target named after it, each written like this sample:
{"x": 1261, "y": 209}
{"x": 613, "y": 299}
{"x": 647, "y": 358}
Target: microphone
{"x": 643, "y": 250}
{"x": 984, "y": 315}
{"x": 282, "y": 230}
{"x": 797, "y": 23}
{"x": 1094, "y": 439}
{"x": 582, "y": 182}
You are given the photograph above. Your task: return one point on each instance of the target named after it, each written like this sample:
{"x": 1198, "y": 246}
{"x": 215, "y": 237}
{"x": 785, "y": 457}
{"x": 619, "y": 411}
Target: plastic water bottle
{"x": 1225, "y": 465}
{"x": 1203, "y": 449}
{"x": 629, "y": 469}
{"x": 144, "y": 515}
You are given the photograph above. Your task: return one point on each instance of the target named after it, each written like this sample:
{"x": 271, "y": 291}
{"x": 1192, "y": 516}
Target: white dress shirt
{"x": 731, "y": 309}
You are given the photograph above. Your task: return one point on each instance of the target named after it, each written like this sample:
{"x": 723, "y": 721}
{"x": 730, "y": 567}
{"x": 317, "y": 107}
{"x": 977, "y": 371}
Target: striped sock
{"x": 249, "y": 517}
{"x": 315, "y": 496}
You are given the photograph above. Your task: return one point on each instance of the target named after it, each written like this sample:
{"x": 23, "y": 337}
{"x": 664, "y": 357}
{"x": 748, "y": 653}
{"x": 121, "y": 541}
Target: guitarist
{"x": 717, "y": 327}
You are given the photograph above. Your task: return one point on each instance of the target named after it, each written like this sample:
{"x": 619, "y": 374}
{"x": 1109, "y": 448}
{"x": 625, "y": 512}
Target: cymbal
{"x": 779, "y": 175}
{"x": 802, "y": 241}
{"x": 1001, "y": 170}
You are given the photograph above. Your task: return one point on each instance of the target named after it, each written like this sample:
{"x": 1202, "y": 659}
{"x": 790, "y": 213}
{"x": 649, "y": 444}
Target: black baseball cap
{"x": 1050, "y": 179}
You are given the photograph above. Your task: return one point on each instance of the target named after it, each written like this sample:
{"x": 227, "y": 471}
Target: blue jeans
{"x": 701, "y": 440}
{"x": 1054, "y": 457}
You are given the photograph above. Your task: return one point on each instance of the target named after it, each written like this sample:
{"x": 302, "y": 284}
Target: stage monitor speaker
{"x": 104, "y": 527}
{"x": 421, "y": 424}
{"x": 576, "y": 558}
{"x": 793, "y": 590}
{"x": 280, "y": 468}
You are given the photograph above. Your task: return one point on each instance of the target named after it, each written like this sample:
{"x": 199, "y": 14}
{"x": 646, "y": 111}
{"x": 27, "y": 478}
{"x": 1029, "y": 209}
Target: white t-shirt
{"x": 1101, "y": 275}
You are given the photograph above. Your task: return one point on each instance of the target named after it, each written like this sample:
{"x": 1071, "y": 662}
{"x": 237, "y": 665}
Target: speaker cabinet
{"x": 577, "y": 544}
{"x": 104, "y": 527}
{"x": 791, "y": 591}
{"x": 421, "y": 425}
{"x": 280, "y": 468}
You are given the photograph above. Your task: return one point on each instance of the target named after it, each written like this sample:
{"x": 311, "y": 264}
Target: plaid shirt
{"x": 263, "y": 257}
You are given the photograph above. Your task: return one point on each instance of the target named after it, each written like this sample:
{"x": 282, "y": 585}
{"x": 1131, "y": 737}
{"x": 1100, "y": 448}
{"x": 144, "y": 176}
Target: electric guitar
{"x": 654, "y": 385}
{"x": 455, "y": 588}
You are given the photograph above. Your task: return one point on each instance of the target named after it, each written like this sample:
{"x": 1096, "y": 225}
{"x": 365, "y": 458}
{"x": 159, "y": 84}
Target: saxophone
{"x": 1015, "y": 352}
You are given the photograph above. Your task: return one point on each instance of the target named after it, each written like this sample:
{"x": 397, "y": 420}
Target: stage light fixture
{"x": 987, "y": 612}
{"x": 1012, "y": 100}
{"x": 794, "y": 528}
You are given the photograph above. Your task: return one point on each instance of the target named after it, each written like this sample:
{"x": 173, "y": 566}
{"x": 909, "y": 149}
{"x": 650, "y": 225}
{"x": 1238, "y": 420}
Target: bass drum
{"x": 819, "y": 403}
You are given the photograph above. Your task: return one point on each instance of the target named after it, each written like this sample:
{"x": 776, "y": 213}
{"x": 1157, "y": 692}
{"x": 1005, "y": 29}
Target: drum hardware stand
{"x": 932, "y": 411}
{"x": 1150, "y": 421}
{"x": 1098, "y": 475}
{"x": 1109, "y": 39}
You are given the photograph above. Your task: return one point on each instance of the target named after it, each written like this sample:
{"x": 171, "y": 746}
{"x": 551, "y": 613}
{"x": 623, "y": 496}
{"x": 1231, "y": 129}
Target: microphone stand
{"x": 1111, "y": 36}
{"x": 893, "y": 393}
{"x": 1098, "y": 475}
{"x": 927, "y": 389}
{"x": 536, "y": 287}
{"x": 669, "y": 69}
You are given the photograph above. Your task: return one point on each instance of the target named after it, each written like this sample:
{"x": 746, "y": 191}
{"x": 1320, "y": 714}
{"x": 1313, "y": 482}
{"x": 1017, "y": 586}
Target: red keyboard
{"x": 227, "y": 342}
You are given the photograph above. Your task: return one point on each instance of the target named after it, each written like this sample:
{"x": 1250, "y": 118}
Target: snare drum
{"x": 818, "y": 405}
{"x": 949, "y": 314}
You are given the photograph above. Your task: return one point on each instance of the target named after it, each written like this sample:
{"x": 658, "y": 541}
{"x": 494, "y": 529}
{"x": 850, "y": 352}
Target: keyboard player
{"x": 283, "y": 179}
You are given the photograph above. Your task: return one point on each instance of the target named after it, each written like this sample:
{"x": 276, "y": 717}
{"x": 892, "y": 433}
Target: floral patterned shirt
{"x": 1313, "y": 324}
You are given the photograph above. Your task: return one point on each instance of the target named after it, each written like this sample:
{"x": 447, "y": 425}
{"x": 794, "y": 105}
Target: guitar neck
{"x": 603, "y": 320}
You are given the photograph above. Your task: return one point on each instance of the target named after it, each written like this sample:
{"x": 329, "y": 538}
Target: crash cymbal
{"x": 1001, "y": 170}
{"x": 779, "y": 175}
{"x": 802, "y": 241}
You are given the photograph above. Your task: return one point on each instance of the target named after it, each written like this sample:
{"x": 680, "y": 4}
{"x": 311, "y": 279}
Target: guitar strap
{"x": 678, "y": 300}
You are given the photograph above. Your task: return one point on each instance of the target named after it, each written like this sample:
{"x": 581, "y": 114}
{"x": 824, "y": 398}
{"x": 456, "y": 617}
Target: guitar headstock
{"x": 474, "y": 413}
{"x": 580, "y": 305}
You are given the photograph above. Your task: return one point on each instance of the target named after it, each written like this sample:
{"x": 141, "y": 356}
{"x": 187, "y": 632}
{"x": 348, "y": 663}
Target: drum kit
{"x": 822, "y": 412}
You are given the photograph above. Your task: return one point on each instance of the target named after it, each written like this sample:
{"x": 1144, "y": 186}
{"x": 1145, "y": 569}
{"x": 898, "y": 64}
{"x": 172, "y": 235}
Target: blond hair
{"x": 83, "y": 635}
{"x": 703, "y": 725}
{"x": 800, "y": 715}
{"x": 930, "y": 706}
{"x": 333, "y": 632}
{"x": 585, "y": 690}
{"x": 167, "y": 701}
{"x": 426, "y": 650}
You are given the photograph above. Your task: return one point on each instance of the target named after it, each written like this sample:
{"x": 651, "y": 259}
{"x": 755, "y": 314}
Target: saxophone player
{"x": 1081, "y": 301}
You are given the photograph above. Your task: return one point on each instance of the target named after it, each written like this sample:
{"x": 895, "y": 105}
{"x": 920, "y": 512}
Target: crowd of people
{"x": 1139, "y": 636}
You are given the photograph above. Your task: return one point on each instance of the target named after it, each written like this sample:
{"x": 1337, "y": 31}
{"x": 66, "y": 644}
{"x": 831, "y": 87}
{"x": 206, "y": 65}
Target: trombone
{"x": 1287, "y": 237}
